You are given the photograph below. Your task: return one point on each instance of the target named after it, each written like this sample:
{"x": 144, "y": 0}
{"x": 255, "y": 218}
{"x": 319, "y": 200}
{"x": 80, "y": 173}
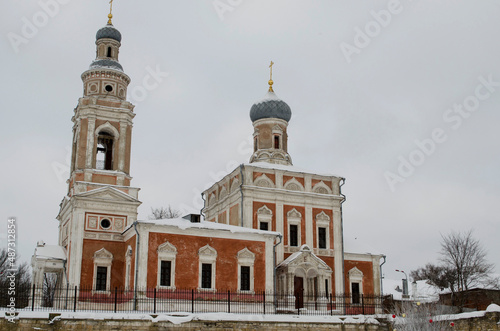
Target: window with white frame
{"x": 103, "y": 260}
{"x": 166, "y": 265}
{"x": 294, "y": 234}
{"x": 356, "y": 285}
{"x": 246, "y": 261}
{"x": 323, "y": 230}
{"x": 264, "y": 218}
{"x": 207, "y": 263}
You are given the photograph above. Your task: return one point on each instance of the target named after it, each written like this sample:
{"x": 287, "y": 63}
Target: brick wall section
{"x": 26, "y": 324}
{"x": 187, "y": 261}
{"x": 367, "y": 270}
{"x": 256, "y": 206}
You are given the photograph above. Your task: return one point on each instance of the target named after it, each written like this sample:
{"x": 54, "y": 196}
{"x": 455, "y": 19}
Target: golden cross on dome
{"x": 110, "y": 16}
{"x": 271, "y": 79}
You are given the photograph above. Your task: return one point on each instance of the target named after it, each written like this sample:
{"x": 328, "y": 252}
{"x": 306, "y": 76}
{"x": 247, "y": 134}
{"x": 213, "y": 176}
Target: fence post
{"x": 154, "y": 302}
{"x": 264, "y": 299}
{"x": 192, "y": 301}
{"x": 74, "y": 301}
{"x": 228, "y": 301}
{"x": 331, "y": 304}
{"x": 33, "y": 299}
{"x": 363, "y": 303}
{"x": 116, "y": 297}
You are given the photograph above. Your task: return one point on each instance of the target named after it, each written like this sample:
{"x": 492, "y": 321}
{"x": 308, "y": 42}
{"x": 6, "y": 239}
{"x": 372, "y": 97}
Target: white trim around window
{"x": 246, "y": 259}
{"x": 102, "y": 258}
{"x": 207, "y": 255}
{"x": 166, "y": 252}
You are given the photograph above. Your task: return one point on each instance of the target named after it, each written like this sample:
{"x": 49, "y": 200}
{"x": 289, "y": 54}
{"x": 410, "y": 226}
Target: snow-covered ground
{"x": 179, "y": 318}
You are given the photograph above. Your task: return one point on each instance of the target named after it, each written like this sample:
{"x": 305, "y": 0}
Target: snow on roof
{"x": 267, "y": 165}
{"x": 185, "y": 224}
{"x": 50, "y": 252}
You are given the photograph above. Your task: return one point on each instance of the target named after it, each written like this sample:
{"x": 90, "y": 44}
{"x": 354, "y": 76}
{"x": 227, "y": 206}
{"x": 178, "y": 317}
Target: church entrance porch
{"x": 299, "y": 279}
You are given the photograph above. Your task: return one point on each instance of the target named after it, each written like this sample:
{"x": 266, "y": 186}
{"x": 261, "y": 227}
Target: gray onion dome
{"x": 270, "y": 107}
{"x": 110, "y": 32}
{"x": 106, "y": 64}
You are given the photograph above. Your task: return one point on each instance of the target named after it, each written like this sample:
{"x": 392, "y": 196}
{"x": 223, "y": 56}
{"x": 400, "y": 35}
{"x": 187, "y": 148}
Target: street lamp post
{"x": 405, "y": 285}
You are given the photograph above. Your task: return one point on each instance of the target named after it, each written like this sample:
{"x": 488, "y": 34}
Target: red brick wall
{"x": 329, "y": 212}
{"x": 286, "y": 179}
{"x": 118, "y": 250}
{"x": 286, "y": 209}
{"x": 272, "y": 177}
{"x": 187, "y": 262}
{"x": 367, "y": 270}
{"x": 256, "y": 206}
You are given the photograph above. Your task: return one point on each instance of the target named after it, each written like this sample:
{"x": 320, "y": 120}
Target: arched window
{"x": 104, "y": 157}
{"x": 109, "y": 51}
{"x": 276, "y": 142}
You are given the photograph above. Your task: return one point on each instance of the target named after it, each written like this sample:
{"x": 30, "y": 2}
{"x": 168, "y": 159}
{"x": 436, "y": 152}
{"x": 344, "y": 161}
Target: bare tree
{"x": 21, "y": 276}
{"x": 466, "y": 257}
{"x": 463, "y": 265}
{"x": 437, "y": 275}
{"x": 49, "y": 289}
{"x": 164, "y": 213}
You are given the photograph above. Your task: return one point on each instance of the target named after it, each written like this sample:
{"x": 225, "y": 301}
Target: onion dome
{"x": 270, "y": 107}
{"x": 106, "y": 64}
{"x": 110, "y": 32}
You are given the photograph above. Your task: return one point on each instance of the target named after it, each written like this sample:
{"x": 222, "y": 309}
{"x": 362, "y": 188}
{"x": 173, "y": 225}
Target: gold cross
{"x": 271, "y": 80}
{"x": 110, "y": 16}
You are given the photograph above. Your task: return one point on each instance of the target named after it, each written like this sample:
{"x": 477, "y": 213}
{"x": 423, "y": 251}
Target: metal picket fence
{"x": 156, "y": 301}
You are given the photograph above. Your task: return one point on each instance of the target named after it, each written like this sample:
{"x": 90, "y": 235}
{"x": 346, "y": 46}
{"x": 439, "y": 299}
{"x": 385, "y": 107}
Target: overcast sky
{"x": 368, "y": 83}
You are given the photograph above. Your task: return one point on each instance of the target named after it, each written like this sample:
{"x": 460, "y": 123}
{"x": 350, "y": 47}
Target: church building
{"x": 266, "y": 226}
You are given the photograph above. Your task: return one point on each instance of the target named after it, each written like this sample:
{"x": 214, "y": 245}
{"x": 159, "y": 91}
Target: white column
{"x": 90, "y": 143}
{"x": 309, "y": 226}
{"x": 280, "y": 228}
{"x": 337, "y": 246}
{"x": 269, "y": 265}
{"x": 121, "y": 147}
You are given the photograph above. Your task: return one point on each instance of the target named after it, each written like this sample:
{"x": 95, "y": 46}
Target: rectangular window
{"x": 264, "y": 226}
{"x": 245, "y": 278}
{"x": 326, "y": 287}
{"x": 322, "y": 238}
{"x": 355, "y": 293}
{"x": 276, "y": 142}
{"x": 206, "y": 275}
{"x": 294, "y": 235}
{"x": 165, "y": 273}
{"x": 101, "y": 278}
